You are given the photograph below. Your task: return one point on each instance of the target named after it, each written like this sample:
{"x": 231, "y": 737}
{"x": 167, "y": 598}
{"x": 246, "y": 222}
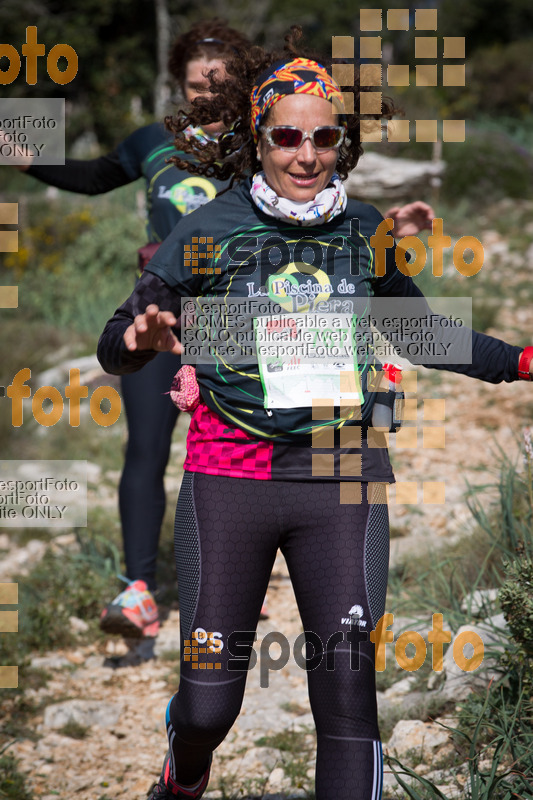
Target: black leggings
{"x": 151, "y": 417}
{"x": 226, "y": 537}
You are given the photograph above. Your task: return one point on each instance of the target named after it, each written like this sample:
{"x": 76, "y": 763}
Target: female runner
{"x": 268, "y": 465}
{"x": 151, "y": 416}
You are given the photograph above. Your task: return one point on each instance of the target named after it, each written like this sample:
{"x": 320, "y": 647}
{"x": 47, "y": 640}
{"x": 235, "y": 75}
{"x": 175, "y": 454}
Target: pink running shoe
{"x": 133, "y": 613}
{"x": 166, "y": 789}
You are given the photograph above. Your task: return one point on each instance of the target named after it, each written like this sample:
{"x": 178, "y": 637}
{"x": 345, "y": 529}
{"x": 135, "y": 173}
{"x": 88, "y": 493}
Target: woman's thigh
{"x": 338, "y": 562}
{"x": 226, "y": 536}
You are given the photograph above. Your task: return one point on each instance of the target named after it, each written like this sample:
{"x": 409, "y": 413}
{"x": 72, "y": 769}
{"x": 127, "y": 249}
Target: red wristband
{"x": 523, "y": 364}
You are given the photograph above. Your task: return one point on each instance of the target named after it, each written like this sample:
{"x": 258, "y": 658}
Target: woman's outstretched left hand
{"x": 410, "y": 219}
{"x": 153, "y": 331}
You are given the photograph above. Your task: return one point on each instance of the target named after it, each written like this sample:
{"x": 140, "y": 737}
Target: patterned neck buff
{"x": 300, "y": 76}
{"x": 327, "y": 204}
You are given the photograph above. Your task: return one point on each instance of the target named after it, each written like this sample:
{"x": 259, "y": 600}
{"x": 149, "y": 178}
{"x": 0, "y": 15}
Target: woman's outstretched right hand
{"x": 152, "y": 331}
{"x": 23, "y": 163}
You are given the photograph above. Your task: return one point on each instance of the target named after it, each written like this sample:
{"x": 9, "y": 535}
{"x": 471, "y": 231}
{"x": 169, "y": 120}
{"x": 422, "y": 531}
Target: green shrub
{"x": 43, "y": 244}
{"x": 97, "y": 274}
{"x": 478, "y": 560}
{"x": 516, "y": 600}
{"x": 494, "y": 733}
{"x": 66, "y": 583}
{"x": 498, "y": 81}
{"x": 486, "y": 167}
{"x": 12, "y": 783}
{"x": 519, "y": 129}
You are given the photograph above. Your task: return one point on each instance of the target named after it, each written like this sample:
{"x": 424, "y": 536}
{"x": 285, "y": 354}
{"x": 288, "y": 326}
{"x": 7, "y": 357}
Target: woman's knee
{"x": 343, "y": 700}
{"x": 206, "y": 713}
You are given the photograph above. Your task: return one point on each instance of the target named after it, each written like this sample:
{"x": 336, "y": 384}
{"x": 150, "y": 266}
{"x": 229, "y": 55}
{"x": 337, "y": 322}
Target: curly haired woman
{"x": 269, "y": 465}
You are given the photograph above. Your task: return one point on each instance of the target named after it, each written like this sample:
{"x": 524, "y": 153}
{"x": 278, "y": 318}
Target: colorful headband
{"x": 300, "y": 76}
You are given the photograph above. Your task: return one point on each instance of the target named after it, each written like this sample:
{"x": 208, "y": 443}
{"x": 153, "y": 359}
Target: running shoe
{"x": 133, "y": 613}
{"x": 166, "y": 789}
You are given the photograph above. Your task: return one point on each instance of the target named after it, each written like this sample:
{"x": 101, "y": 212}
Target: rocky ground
{"x": 113, "y": 696}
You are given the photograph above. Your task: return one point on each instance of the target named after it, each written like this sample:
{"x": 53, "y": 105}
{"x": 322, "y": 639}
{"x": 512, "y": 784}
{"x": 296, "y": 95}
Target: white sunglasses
{"x": 289, "y": 137}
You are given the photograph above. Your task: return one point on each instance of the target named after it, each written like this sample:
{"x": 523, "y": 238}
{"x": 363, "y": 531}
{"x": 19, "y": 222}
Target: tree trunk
{"x": 162, "y": 87}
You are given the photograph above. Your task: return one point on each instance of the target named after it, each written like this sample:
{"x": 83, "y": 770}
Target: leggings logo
{"x": 201, "y": 644}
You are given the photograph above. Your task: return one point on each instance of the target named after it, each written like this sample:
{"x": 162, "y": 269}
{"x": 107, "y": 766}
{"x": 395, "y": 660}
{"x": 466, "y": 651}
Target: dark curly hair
{"x": 234, "y": 154}
{"x": 191, "y": 46}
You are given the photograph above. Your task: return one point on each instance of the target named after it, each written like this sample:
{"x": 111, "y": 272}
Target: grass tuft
{"x": 74, "y": 730}
{"x": 12, "y": 783}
